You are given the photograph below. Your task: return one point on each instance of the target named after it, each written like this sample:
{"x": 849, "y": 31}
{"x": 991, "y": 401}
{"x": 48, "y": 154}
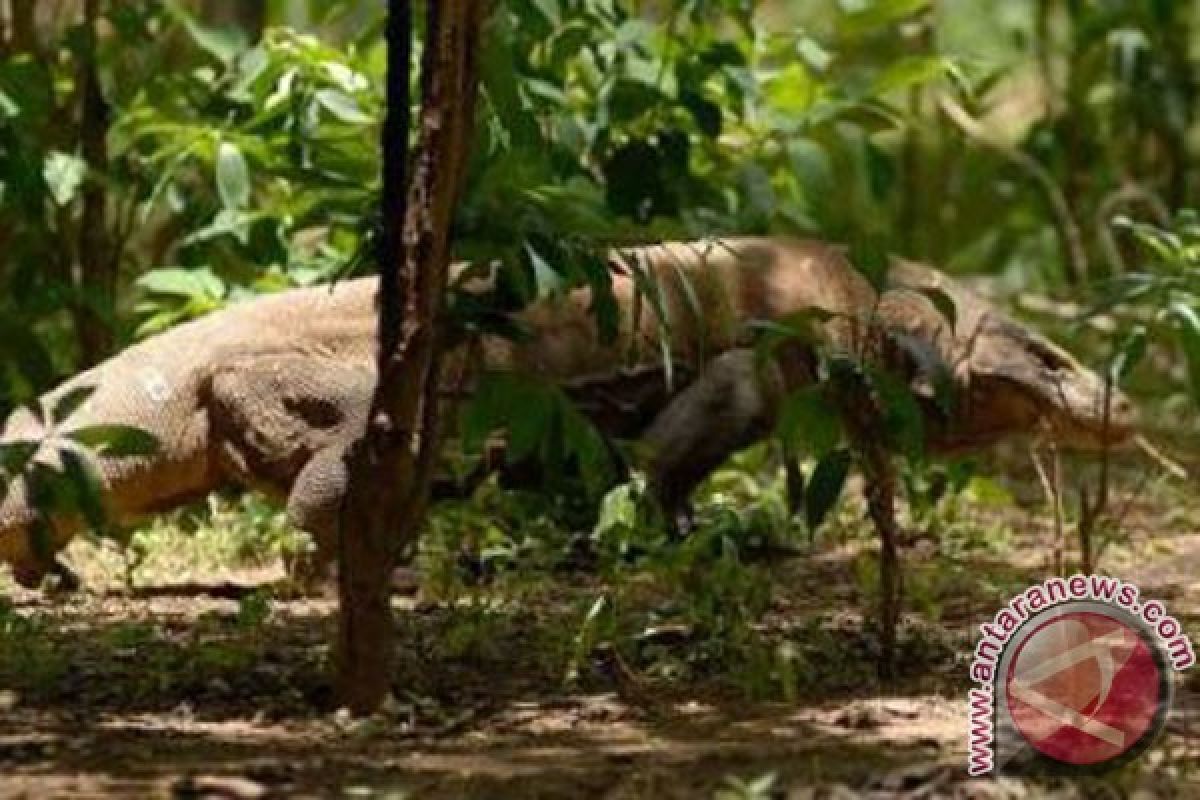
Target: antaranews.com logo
{"x": 1074, "y": 675}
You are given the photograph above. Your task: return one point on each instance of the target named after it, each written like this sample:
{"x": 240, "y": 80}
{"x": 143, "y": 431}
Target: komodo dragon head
{"x": 1010, "y": 378}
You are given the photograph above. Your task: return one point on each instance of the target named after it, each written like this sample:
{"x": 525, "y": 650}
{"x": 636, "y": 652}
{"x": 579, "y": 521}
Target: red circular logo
{"x": 1086, "y": 687}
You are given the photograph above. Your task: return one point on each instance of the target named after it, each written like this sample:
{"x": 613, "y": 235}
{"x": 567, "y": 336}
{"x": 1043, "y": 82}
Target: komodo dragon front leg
{"x": 732, "y": 404}
{"x": 281, "y": 425}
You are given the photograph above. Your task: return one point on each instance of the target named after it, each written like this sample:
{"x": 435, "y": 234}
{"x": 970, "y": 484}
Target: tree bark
{"x": 23, "y": 26}
{"x": 97, "y": 282}
{"x": 389, "y": 467}
{"x": 248, "y": 15}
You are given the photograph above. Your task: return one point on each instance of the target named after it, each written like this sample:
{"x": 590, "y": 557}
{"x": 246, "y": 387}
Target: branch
{"x": 1068, "y": 229}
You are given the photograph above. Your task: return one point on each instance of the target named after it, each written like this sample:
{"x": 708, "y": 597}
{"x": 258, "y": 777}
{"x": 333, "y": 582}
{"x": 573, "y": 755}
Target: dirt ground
{"x": 190, "y": 697}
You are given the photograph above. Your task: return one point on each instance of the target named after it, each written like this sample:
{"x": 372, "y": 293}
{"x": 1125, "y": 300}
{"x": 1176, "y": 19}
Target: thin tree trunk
{"x": 97, "y": 265}
{"x": 389, "y": 468}
{"x": 23, "y": 23}
{"x": 248, "y": 15}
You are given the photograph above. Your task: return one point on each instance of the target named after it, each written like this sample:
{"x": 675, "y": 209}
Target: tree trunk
{"x": 23, "y": 26}
{"x": 389, "y": 468}
{"x": 97, "y": 283}
{"x": 248, "y": 15}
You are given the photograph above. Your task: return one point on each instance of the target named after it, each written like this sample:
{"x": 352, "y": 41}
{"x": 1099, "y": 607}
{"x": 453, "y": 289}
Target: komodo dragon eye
{"x": 1048, "y": 357}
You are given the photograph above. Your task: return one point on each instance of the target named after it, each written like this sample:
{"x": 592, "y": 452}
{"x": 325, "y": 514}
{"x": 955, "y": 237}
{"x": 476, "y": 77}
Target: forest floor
{"x": 103, "y": 694}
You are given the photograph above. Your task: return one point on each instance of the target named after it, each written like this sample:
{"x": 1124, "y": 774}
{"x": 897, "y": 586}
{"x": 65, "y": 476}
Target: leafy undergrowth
{"x": 740, "y": 663}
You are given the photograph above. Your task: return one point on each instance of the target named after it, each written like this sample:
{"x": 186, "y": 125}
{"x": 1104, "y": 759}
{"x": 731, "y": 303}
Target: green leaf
{"x": 1129, "y": 353}
{"x": 227, "y": 222}
{"x": 825, "y": 487}
{"x": 64, "y": 174}
{"x": 84, "y": 489}
{"x": 192, "y": 284}
{"x": 550, "y": 10}
{"x": 70, "y": 402}
{"x": 869, "y": 256}
{"x": 881, "y": 170}
{"x": 15, "y": 456}
{"x": 116, "y": 441}
{"x": 343, "y": 106}
{"x": 813, "y": 167}
{"x": 909, "y": 72}
{"x": 793, "y": 91}
{"x": 902, "y": 418}
{"x": 808, "y": 421}
{"x": 705, "y": 112}
{"x": 224, "y": 43}
{"x": 880, "y": 13}
{"x": 589, "y": 449}
{"x": 233, "y": 177}
{"x": 8, "y": 106}
{"x": 546, "y": 279}
{"x": 1189, "y": 340}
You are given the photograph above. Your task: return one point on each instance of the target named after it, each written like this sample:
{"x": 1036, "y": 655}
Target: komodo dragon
{"x": 267, "y": 393}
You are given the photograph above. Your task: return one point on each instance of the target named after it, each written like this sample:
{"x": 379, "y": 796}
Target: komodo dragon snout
{"x": 1021, "y": 381}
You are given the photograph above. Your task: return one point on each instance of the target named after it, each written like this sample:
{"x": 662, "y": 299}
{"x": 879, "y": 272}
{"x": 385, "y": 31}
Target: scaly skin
{"x": 267, "y": 394}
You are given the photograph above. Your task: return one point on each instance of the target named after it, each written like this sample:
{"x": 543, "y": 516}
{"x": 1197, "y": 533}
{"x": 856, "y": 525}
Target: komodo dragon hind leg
{"x": 731, "y": 405}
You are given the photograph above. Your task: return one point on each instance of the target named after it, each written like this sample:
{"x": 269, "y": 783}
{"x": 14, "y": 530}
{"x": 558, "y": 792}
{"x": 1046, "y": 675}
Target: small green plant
{"x": 56, "y": 467}
{"x": 760, "y": 788}
{"x": 1163, "y": 295}
{"x": 30, "y": 659}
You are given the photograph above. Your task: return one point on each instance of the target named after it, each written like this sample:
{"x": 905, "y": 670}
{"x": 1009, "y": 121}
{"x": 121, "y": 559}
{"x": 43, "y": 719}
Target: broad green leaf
{"x": 881, "y": 170}
{"x": 550, "y": 9}
{"x": 233, "y": 177}
{"x": 869, "y": 256}
{"x": 813, "y": 168}
{"x": 70, "y": 402}
{"x": 707, "y": 114}
{"x": 902, "y": 416}
{"x": 343, "y": 106}
{"x": 193, "y": 284}
{"x": 64, "y": 175}
{"x": 809, "y": 422}
{"x": 792, "y": 91}
{"x": 223, "y": 44}
{"x": 116, "y": 441}
{"x": 8, "y": 106}
{"x": 825, "y": 487}
{"x": 227, "y": 222}
{"x": 589, "y": 448}
{"x": 528, "y": 418}
{"x": 15, "y": 456}
{"x": 349, "y": 79}
{"x": 1189, "y": 338}
{"x": 910, "y": 72}
{"x": 875, "y": 14}
{"x": 546, "y": 279}
{"x": 1129, "y": 353}
{"x": 84, "y": 488}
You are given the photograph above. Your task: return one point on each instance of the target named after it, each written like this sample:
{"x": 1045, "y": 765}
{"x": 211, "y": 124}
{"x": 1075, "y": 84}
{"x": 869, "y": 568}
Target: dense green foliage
{"x": 997, "y": 137}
